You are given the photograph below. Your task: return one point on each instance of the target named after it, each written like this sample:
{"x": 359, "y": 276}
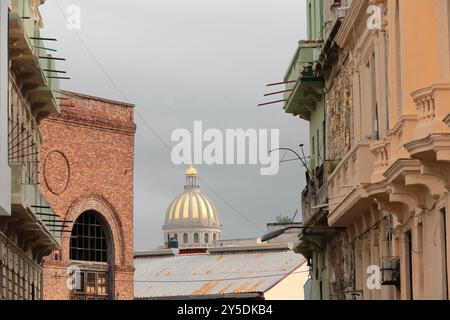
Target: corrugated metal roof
{"x": 218, "y": 273}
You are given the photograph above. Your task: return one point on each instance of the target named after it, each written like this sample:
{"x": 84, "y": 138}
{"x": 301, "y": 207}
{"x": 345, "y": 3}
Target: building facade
{"x": 87, "y": 175}
{"x": 191, "y": 218}
{"x": 392, "y": 179}
{"x": 5, "y": 171}
{"x": 387, "y": 149}
{"x": 308, "y": 98}
{"x": 29, "y": 228}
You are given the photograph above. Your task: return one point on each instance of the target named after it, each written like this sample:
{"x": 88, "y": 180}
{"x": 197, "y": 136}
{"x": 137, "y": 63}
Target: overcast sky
{"x": 182, "y": 61}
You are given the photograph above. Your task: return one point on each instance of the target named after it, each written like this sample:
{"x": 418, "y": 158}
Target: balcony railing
{"x": 350, "y": 175}
{"x": 432, "y": 108}
{"x": 307, "y": 89}
{"x": 312, "y": 198}
{"x": 30, "y": 204}
{"x": 315, "y": 195}
{"x": 29, "y": 54}
{"x": 381, "y": 151}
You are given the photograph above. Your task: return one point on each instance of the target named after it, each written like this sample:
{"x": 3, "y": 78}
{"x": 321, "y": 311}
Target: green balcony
{"x": 307, "y": 90}
{"x": 31, "y": 213}
{"x": 30, "y": 60}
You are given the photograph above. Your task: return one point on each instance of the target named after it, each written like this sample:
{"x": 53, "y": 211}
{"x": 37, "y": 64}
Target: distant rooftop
{"x": 86, "y": 96}
{"x": 250, "y": 269}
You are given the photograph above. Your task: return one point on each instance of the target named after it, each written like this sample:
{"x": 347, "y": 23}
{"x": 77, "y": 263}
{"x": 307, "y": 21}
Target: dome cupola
{"x": 191, "y": 218}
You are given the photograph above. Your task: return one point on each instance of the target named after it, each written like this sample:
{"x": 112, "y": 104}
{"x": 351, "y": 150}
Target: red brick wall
{"x": 87, "y": 163}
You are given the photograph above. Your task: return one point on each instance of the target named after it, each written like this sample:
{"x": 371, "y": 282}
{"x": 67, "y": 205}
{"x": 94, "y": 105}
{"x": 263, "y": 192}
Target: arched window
{"x": 89, "y": 241}
{"x": 214, "y": 237}
{"x": 196, "y": 238}
{"x": 175, "y": 236}
{"x": 206, "y": 238}
{"x": 185, "y": 238}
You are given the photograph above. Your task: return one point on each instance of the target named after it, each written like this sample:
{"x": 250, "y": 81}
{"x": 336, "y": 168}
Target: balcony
{"x": 346, "y": 185}
{"x": 381, "y": 151}
{"x": 307, "y": 89}
{"x": 431, "y": 137}
{"x": 313, "y": 197}
{"x": 31, "y": 213}
{"x": 32, "y": 66}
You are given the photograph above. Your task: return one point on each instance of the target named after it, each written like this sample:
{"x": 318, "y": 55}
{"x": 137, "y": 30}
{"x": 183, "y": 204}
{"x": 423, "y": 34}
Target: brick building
{"x": 87, "y": 171}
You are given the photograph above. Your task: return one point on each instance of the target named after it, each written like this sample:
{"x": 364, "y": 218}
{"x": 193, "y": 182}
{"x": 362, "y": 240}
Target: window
{"x": 88, "y": 241}
{"x": 175, "y": 236}
{"x": 310, "y": 22}
{"x": 93, "y": 286}
{"x": 196, "y": 238}
{"x": 374, "y": 97}
{"x": 214, "y": 237}
{"x": 409, "y": 267}
{"x": 206, "y": 238}
{"x": 185, "y": 238}
{"x": 318, "y": 147}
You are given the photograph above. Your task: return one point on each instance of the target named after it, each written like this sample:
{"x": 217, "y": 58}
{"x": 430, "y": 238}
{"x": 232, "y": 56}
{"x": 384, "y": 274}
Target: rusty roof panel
{"x": 213, "y": 273}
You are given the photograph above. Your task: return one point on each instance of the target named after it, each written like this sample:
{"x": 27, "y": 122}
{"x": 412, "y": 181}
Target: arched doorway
{"x": 91, "y": 250}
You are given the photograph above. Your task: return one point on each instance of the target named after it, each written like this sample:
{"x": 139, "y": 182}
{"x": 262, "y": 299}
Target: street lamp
{"x": 279, "y": 232}
{"x": 302, "y": 160}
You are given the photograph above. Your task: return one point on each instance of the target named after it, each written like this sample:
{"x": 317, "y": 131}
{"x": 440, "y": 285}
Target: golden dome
{"x": 191, "y": 171}
{"x": 192, "y": 208}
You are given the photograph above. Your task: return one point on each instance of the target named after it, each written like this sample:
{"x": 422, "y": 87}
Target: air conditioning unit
{"x": 390, "y": 271}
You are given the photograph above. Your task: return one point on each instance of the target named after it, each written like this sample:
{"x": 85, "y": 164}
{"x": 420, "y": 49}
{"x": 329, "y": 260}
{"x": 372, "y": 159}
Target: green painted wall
{"x": 320, "y": 289}
{"x": 317, "y": 136}
{"x": 315, "y": 19}
{"x": 314, "y": 9}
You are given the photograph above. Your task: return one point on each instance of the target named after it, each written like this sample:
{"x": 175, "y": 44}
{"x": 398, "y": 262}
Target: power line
{"x": 114, "y": 84}
{"x": 111, "y": 80}
{"x": 194, "y": 280}
{"x": 231, "y": 206}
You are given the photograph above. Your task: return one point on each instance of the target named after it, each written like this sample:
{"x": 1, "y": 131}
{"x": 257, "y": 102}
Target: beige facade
{"x": 388, "y": 112}
{"x": 291, "y": 287}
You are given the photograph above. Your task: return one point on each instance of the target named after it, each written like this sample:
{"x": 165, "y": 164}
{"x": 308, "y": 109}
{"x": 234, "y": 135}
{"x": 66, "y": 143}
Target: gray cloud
{"x": 181, "y": 61}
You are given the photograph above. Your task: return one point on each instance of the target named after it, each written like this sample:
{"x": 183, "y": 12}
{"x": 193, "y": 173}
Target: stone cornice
{"x": 401, "y": 123}
{"x": 435, "y": 142}
{"x": 401, "y": 167}
{"x": 98, "y": 125}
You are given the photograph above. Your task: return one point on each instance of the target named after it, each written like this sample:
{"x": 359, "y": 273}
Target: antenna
{"x": 295, "y": 214}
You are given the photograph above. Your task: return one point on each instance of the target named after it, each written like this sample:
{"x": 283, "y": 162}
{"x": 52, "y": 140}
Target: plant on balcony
{"x": 283, "y": 220}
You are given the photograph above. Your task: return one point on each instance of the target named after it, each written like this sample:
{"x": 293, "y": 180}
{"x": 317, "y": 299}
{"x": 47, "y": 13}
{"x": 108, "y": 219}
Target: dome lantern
{"x": 191, "y": 179}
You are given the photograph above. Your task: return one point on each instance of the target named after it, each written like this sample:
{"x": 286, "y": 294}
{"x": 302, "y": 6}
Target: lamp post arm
{"x": 276, "y": 233}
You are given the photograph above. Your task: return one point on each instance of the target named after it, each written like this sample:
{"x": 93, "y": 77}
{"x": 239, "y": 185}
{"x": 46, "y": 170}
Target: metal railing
{"x": 31, "y": 198}
{"x": 27, "y": 16}
{"x": 315, "y": 194}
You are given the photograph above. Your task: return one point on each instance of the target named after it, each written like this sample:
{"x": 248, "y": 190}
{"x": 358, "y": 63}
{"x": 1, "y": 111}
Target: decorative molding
{"x": 56, "y": 172}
